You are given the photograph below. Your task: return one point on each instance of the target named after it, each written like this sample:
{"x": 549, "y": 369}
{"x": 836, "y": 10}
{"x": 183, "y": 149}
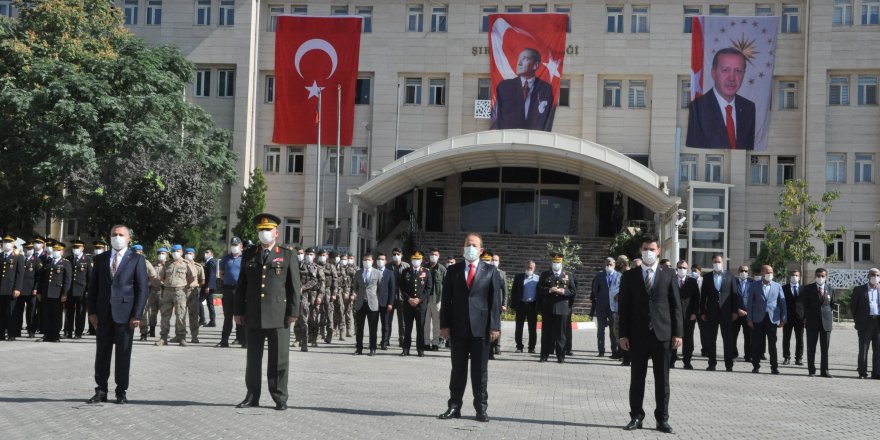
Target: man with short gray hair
{"x": 866, "y": 314}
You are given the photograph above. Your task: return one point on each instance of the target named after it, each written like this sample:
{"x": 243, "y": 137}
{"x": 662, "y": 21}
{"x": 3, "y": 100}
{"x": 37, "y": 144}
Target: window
{"x": 835, "y": 248}
{"x": 367, "y": 13}
{"x": 835, "y": 168}
{"x": 689, "y": 13}
{"x": 639, "y": 20}
{"x": 756, "y": 239}
{"x": 272, "y": 164}
{"x": 484, "y": 88}
{"x": 339, "y": 10}
{"x": 274, "y": 12}
{"x": 839, "y": 93}
{"x": 537, "y": 8}
{"x": 131, "y": 11}
{"x": 637, "y": 93}
{"x": 564, "y": 93}
{"x": 718, "y": 10}
{"x": 226, "y": 86}
{"x": 514, "y": 9}
{"x": 484, "y": 22}
{"x": 413, "y": 91}
{"x": 292, "y": 229}
{"x": 842, "y": 13}
{"x": 331, "y": 162}
{"x": 867, "y": 90}
{"x": 688, "y": 167}
{"x": 685, "y": 96}
{"x": 359, "y": 162}
{"x": 760, "y": 170}
{"x": 298, "y": 10}
{"x": 71, "y": 227}
{"x": 870, "y": 11}
{"x": 330, "y": 231}
{"x": 788, "y": 99}
{"x": 764, "y": 10}
{"x": 862, "y": 248}
{"x": 784, "y": 169}
{"x": 154, "y": 12}
{"x": 437, "y": 91}
{"x": 203, "y": 12}
{"x": 5, "y": 8}
{"x": 414, "y": 18}
{"x": 713, "y": 167}
{"x": 362, "y": 91}
{"x": 438, "y": 19}
{"x": 615, "y": 19}
{"x": 565, "y": 9}
{"x": 203, "y": 83}
{"x": 611, "y": 94}
{"x": 296, "y": 160}
{"x": 791, "y": 17}
{"x": 227, "y": 12}
{"x": 270, "y": 89}
{"x": 864, "y": 168}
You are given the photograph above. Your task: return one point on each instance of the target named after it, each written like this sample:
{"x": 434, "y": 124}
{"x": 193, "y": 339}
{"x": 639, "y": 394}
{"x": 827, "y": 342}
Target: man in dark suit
{"x": 522, "y": 300}
{"x": 866, "y": 314}
{"x": 689, "y": 295}
{"x": 600, "y": 304}
{"x": 209, "y": 289}
{"x": 525, "y": 101}
{"x": 719, "y": 308}
{"x": 742, "y": 321}
{"x": 720, "y": 118}
{"x": 366, "y": 303}
{"x": 53, "y": 292}
{"x": 794, "y": 324}
{"x": 415, "y": 286}
{"x": 555, "y": 289}
{"x": 267, "y": 301}
{"x": 650, "y": 327}
{"x": 470, "y": 318}
{"x": 75, "y": 307}
{"x": 814, "y": 308}
{"x": 32, "y": 268}
{"x": 117, "y": 296}
{"x": 11, "y": 281}
{"x": 387, "y": 294}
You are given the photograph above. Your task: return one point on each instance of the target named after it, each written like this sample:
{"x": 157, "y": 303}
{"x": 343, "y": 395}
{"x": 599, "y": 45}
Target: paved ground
{"x": 190, "y": 392}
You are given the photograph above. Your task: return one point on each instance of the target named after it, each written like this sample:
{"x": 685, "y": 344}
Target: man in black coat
{"x": 470, "y": 318}
{"x": 75, "y": 307}
{"x": 605, "y": 285}
{"x": 208, "y": 290}
{"x": 556, "y": 288}
{"x": 415, "y": 286}
{"x": 866, "y": 314}
{"x": 795, "y": 323}
{"x": 33, "y": 267}
{"x": 710, "y": 114}
{"x": 525, "y": 101}
{"x": 387, "y": 293}
{"x": 719, "y": 308}
{"x": 814, "y": 309}
{"x": 650, "y": 327}
{"x": 689, "y": 295}
{"x": 53, "y": 292}
{"x": 12, "y": 268}
{"x": 523, "y": 298}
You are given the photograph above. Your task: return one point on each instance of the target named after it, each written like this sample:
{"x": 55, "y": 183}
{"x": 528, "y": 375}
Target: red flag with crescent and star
{"x": 526, "y": 56}
{"x": 313, "y": 56}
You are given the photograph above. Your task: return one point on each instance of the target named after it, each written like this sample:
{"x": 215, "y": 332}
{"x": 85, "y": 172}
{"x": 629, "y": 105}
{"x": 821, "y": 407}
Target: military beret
{"x": 333, "y": 254}
{"x": 176, "y": 247}
{"x": 137, "y": 247}
{"x": 310, "y": 250}
{"x": 162, "y": 249}
{"x": 298, "y": 248}
{"x": 189, "y": 251}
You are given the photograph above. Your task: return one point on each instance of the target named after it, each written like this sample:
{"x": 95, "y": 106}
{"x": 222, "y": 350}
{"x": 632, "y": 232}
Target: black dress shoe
{"x": 863, "y": 376}
{"x": 358, "y": 352}
{"x": 121, "y": 399}
{"x": 569, "y": 353}
{"x": 383, "y": 346}
{"x": 827, "y": 375}
{"x": 728, "y": 369}
{"x": 451, "y": 413}
{"x": 774, "y": 371}
{"x": 798, "y": 362}
{"x": 144, "y": 337}
{"x": 532, "y": 350}
{"x": 491, "y": 356}
{"x": 97, "y": 398}
{"x": 404, "y": 353}
{"x": 755, "y": 370}
{"x": 11, "y": 339}
{"x": 614, "y": 356}
{"x": 672, "y": 366}
{"x": 748, "y": 359}
{"x": 421, "y": 354}
{"x": 710, "y": 368}
{"x": 248, "y": 402}
{"x": 519, "y": 350}
{"x": 664, "y": 428}
{"x": 688, "y": 367}
{"x": 372, "y": 353}
{"x": 601, "y": 354}
{"x": 281, "y": 406}
{"x": 785, "y": 361}
{"x": 497, "y": 349}
{"x": 435, "y": 348}
{"x": 812, "y": 374}
{"x": 482, "y": 417}
{"x": 223, "y": 345}
{"x": 543, "y": 359}
{"x": 560, "y": 360}
{"x": 635, "y": 423}
{"x": 625, "y": 363}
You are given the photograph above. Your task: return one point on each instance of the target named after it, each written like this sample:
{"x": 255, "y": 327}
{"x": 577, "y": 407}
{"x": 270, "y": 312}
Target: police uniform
{"x": 177, "y": 276}
{"x": 11, "y": 280}
{"x": 53, "y": 292}
{"x": 75, "y": 307}
{"x": 414, "y": 284}
{"x": 312, "y": 278}
{"x": 193, "y": 294}
{"x": 151, "y": 311}
{"x": 266, "y": 299}
{"x": 24, "y": 305}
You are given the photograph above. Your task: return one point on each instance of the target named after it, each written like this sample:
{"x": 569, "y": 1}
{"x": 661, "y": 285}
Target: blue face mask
{"x": 471, "y": 253}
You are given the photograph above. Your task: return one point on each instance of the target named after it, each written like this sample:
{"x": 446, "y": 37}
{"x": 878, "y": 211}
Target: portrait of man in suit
{"x": 721, "y": 118}
{"x": 525, "y": 101}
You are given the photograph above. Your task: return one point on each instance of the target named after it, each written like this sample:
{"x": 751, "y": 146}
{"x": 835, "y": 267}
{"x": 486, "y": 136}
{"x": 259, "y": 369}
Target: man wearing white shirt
{"x": 866, "y": 314}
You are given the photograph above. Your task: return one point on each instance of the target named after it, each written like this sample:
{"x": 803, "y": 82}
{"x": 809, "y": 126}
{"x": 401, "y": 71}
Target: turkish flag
{"x": 526, "y": 57}
{"x": 314, "y": 56}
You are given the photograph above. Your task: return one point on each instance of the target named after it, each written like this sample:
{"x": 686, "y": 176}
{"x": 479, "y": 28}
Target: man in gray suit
{"x": 366, "y": 303}
{"x": 814, "y": 309}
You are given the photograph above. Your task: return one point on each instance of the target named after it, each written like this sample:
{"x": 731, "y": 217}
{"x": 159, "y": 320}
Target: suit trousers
{"x": 869, "y": 339}
{"x": 411, "y": 314}
{"x": 51, "y": 318}
{"x": 764, "y": 338}
{"x": 798, "y": 329}
{"x": 824, "y": 339}
{"x": 228, "y": 302}
{"x": 75, "y": 315}
{"x": 386, "y": 316}
{"x": 477, "y": 349}
{"x": 399, "y": 306}
{"x": 18, "y": 309}
{"x": 32, "y": 314}
{"x": 432, "y": 322}
{"x": 726, "y": 327}
{"x": 107, "y": 335}
{"x": 643, "y": 348}
{"x": 372, "y": 318}
{"x": 553, "y": 335}
{"x": 526, "y": 312}
{"x": 567, "y": 330}
{"x": 742, "y": 323}
{"x": 687, "y": 343}
{"x": 278, "y": 341}
{"x": 6, "y": 306}
{"x": 209, "y": 302}
{"x": 604, "y": 320}
{"x": 624, "y": 354}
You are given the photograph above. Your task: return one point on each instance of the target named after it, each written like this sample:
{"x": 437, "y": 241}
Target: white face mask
{"x": 266, "y": 237}
{"x": 434, "y": 259}
{"x": 38, "y": 247}
{"x": 300, "y": 257}
{"x": 29, "y": 253}
{"x": 119, "y": 243}
{"x": 758, "y": 277}
{"x": 717, "y": 267}
{"x": 556, "y": 267}
{"x": 345, "y": 262}
{"x": 8, "y": 246}
{"x": 77, "y": 252}
{"x": 57, "y": 255}
{"x": 207, "y": 257}
{"x": 190, "y": 257}
{"x": 768, "y": 277}
{"x": 874, "y": 280}
{"x": 609, "y": 269}
{"x": 649, "y": 257}
{"x": 795, "y": 279}
{"x": 310, "y": 258}
{"x": 820, "y": 281}
{"x": 235, "y": 250}
{"x": 336, "y": 260}
{"x": 695, "y": 274}
{"x": 396, "y": 259}
{"x": 322, "y": 258}
{"x": 380, "y": 264}
{"x": 681, "y": 272}
{"x": 743, "y": 275}
{"x": 163, "y": 256}
{"x": 529, "y": 273}
{"x": 177, "y": 255}
{"x": 367, "y": 264}
{"x": 471, "y": 253}
{"x": 495, "y": 263}
{"x": 99, "y": 251}
{"x": 416, "y": 263}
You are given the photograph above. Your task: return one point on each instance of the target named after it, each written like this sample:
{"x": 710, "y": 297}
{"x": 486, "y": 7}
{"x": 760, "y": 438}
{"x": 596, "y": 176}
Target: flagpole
{"x": 397, "y": 127}
{"x": 338, "y": 161}
{"x": 318, "y": 181}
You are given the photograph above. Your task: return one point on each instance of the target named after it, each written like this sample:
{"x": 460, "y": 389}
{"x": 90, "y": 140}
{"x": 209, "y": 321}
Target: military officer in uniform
{"x": 11, "y": 281}
{"x": 148, "y": 324}
{"x": 75, "y": 307}
{"x": 32, "y": 268}
{"x": 555, "y": 288}
{"x": 193, "y": 305}
{"x": 415, "y": 286}
{"x": 312, "y": 278}
{"x": 53, "y": 292}
{"x": 398, "y": 266}
{"x": 267, "y": 303}
{"x": 176, "y": 276}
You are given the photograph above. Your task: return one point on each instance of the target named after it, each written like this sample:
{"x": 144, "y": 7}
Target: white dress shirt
{"x": 722, "y": 103}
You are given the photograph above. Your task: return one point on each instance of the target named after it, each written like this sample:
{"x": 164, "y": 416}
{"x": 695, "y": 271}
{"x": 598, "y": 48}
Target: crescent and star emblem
{"x": 310, "y": 45}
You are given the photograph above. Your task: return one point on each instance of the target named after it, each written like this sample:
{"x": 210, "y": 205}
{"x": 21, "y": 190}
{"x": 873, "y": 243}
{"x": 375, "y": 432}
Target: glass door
{"x": 518, "y": 212}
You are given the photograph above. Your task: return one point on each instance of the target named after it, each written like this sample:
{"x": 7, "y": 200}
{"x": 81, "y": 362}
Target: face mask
{"x": 609, "y": 269}
{"x": 695, "y": 274}
{"x": 795, "y": 279}
{"x": 176, "y": 255}
{"x": 77, "y": 253}
{"x": 367, "y": 263}
{"x": 119, "y": 243}
{"x": 743, "y": 275}
{"x": 345, "y": 262}
{"x": 163, "y": 257}
{"x": 266, "y": 237}
{"x": 416, "y": 263}
{"x": 874, "y": 280}
{"x": 235, "y": 250}
{"x": 300, "y": 257}
{"x": 39, "y": 247}
{"x": 717, "y": 267}
{"x": 190, "y": 257}
{"x": 434, "y": 259}
{"x": 396, "y": 259}
{"x": 649, "y": 257}
{"x": 495, "y": 263}
{"x": 7, "y": 246}
{"x": 99, "y": 251}
{"x": 56, "y": 255}
{"x": 820, "y": 281}
{"x": 557, "y": 267}
{"x": 322, "y": 258}
{"x": 29, "y": 253}
{"x": 681, "y": 272}
{"x": 529, "y": 273}
{"x": 768, "y": 277}
{"x": 310, "y": 258}
{"x": 380, "y": 264}
{"x": 207, "y": 257}
{"x": 758, "y": 277}
{"x": 471, "y": 253}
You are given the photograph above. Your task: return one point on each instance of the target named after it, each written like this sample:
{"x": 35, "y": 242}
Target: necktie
{"x": 680, "y": 283}
{"x": 265, "y": 255}
{"x": 114, "y": 265}
{"x": 649, "y": 281}
{"x": 525, "y": 91}
{"x": 795, "y": 291}
{"x": 608, "y": 280}
{"x": 821, "y": 291}
{"x": 731, "y": 127}
{"x": 470, "y": 277}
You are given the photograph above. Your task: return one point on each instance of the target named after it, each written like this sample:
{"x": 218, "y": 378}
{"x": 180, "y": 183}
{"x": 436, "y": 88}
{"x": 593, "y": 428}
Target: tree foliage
{"x": 253, "y": 202}
{"x": 628, "y": 242}
{"x": 569, "y": 250}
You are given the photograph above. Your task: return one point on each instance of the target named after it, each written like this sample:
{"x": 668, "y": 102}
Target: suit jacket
{"x": 719, "y": 305}
{"x": 509, "y": 111}
{"x": 860, "y": 306}
{"x": 211, "y": 274}
{"x": 82, "y": 272}
{"x": 689, "y": 295}
{"x": 56, "y": 279}
{"x": 791, "y": 304}
{"x": 268, "y": 291}
{"x": 815, "y": 310}
{"x": 706, "y": 126}
{"x": 600, "y": 294}
{"x": 471, "y": 312}
{"x": 552, "y": 304}
{"x": 12, "y": 274}
{"x": 33, "y": 273}
{"x": 367, "y": 292}
{"x": 387, "y": 289}
{"x": 517, "y": 292}
{"x": 641, "y": 310}
{"x": 505, "y": 292}
{"x": 743, "y": 293}
{"x": 122, "y": 297}
{"x": 414, "y": 286}
{"x": 771, "y": 305}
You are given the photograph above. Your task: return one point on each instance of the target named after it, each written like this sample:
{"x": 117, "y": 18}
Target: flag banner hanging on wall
{"x": 314, "y": 55}
{"x": 732, "y": 61}
{"x": 526, "y": 56}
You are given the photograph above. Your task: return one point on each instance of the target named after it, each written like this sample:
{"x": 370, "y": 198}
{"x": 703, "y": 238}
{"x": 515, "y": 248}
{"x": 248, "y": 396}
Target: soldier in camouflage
{"x": 348, "y": 300}
{"x": 306, "y": 327}
{"x": 324, "y": 304}
{"x": 148, "y": 324}
{"x": 177, "y": 277}
{"x": 193, "y": 305}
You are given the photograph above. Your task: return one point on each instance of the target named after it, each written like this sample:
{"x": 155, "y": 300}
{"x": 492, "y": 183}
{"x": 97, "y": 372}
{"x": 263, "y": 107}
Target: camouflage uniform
{"x": 192, "y": 300}
{"x": 340, "y": 305}
{"x": 351, "y": 269}
{"x": 324, "y": 313}
{"x": 306, "y": 327}
{"x": 176, "y": 276}
{"x": 151, "y": 311}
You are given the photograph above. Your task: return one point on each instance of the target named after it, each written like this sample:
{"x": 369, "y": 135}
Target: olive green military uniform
{"x": 176, "y": 276}
{"x": 306, "y": 327}
{"x": 151, "y": 311}
{"x": 192, "y": 300}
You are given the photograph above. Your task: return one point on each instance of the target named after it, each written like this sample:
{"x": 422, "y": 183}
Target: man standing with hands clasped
{"x": 650, "y": 317}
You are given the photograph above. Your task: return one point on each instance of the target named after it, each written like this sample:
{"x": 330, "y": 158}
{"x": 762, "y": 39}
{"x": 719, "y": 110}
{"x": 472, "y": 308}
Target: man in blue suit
{"x": 606, "y": 285}
{"x": 117, "y": 296}
{"x": 767, "y": 312}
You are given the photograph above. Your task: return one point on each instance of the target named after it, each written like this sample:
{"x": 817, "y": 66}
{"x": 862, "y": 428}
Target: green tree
{"x": 82, "y": 101}
{"x": 253, "y": 202}
{"x": 628, "y": 243}
{"x": 800, "y": 222}
{"x": 569, "y": 250}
